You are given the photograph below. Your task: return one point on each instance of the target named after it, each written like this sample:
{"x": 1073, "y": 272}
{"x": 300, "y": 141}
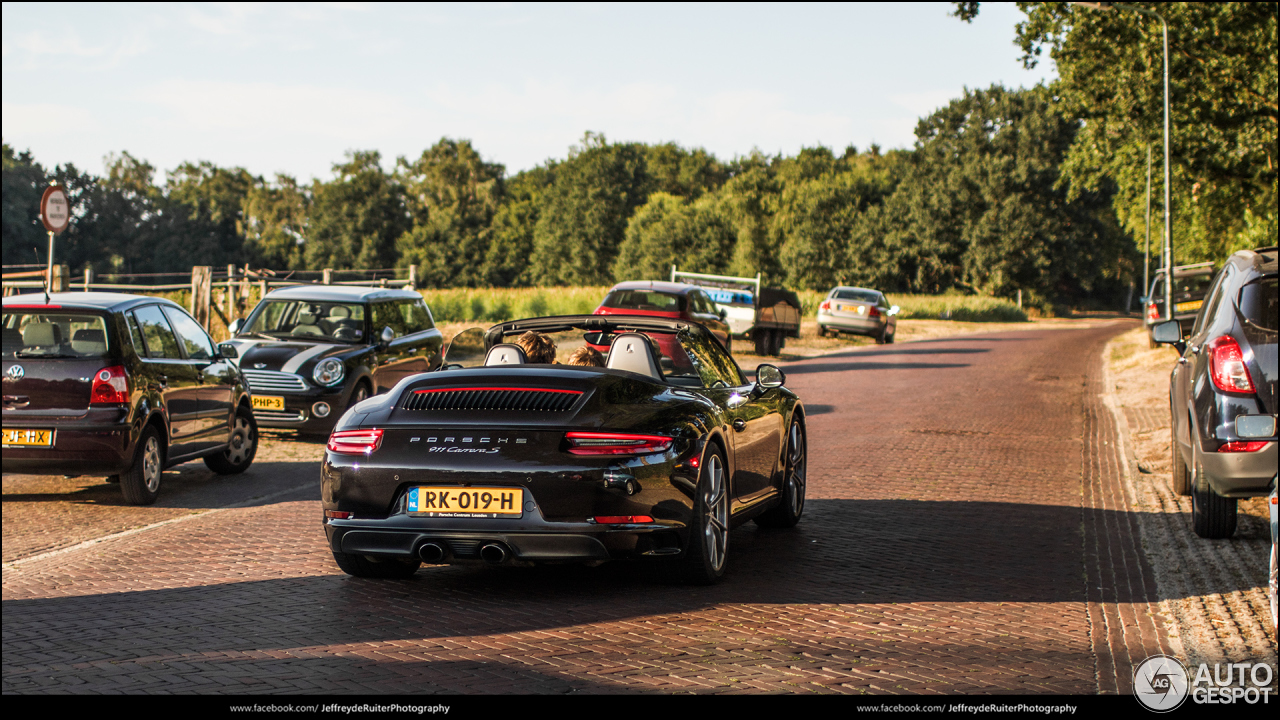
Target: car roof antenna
{"x": 48, "y": 278}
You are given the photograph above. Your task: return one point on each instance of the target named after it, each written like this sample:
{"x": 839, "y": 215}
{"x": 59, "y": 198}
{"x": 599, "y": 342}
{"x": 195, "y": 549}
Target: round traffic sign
{"x": 55, "y": 209}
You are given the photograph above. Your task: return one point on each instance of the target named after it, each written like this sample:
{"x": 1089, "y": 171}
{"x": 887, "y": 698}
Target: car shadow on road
{"x": 821, "y": 367}
{"x": 848, "y": 552}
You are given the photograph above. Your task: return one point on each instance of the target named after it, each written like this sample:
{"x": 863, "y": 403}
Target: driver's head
{"x": 537, "y": 347}
{"x": 586, "y": 356}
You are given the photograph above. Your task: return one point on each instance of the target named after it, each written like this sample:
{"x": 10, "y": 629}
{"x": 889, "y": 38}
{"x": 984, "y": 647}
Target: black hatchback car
{"x": 118, "y": 385}
{"x": 1222, "y": 393}
{"x": 309, "y": 352}
{"x": 1190, "y": 286}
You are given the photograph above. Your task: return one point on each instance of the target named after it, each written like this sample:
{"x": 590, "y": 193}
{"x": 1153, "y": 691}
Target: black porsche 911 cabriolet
{"x": 659, "y": 453}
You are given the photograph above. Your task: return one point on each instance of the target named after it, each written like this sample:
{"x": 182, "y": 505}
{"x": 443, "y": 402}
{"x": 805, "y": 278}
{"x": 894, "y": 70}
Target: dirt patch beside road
{"x": 1213, "y": 592}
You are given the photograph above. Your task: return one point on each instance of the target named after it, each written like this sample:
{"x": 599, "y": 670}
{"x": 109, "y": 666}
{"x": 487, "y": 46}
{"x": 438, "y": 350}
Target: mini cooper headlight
{"x": 328, "y": 372}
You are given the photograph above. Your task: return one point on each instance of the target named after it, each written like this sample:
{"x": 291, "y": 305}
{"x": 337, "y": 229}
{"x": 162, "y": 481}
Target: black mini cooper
{"x": 309, "y": 352}
{"x": 119, "y": 385}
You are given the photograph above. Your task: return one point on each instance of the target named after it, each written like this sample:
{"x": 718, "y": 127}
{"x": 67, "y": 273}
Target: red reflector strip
{"x": 32, "y": 307}
{"x": 482, "y": 389}
{"x": 595, "y": 443}
{"x": 355, "y": 442}
{"x": 339, "y": 514}
{"x": 1244, "y": 446}
{"x": 622, "y": 519}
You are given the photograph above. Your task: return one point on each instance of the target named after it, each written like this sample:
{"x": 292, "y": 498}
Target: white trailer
{"x": 766, "y": 315}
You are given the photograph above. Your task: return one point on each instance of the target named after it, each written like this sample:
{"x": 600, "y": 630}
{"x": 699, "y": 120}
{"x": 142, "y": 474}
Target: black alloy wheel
{"x": 794, "y": 476}
{"x": 705, "y": 556}
{"x": 140, "y": 484}
{"x": 359, "y": 395}
{"x": 242, "y": 447}
{"x": 1212, "y": 516}
{"x": 362, "y": 566}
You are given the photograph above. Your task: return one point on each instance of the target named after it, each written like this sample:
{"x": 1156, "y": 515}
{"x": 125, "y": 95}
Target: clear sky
{"x": 290, "y": 88}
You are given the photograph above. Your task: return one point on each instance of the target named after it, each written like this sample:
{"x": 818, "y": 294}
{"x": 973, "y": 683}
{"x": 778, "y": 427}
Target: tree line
{"x": 1033, "y": 190}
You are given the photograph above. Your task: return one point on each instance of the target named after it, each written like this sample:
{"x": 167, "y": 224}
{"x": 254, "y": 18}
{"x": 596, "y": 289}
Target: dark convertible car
{"x": 311, "y": 351}
{"x": 658, "y": 454}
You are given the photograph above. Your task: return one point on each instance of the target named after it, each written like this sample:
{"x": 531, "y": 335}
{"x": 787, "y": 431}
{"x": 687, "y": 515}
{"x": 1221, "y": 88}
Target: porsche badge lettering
{"x": 458, "y": 444}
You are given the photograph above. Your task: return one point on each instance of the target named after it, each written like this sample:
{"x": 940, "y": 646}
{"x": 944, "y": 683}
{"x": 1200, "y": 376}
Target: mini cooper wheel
{"x": 358, "y": 395}
{"x": 788, "y": 512}
{"x": 1212, "y": 515}
{"x": 140, "y": 484}
{"x": 362, "y": 566}
{"x": 240, "y": 450}
{"x": 704, "y": 559}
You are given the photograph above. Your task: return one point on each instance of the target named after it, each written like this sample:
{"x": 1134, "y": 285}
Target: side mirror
{"x": 1167, "y": 332}
{"x": 235, "y": 326}
{"x": 228, "y": 351}
{"x": 894, "y": 310}
{"x": 387, "y": 335}
{"x": 769, "y": 376}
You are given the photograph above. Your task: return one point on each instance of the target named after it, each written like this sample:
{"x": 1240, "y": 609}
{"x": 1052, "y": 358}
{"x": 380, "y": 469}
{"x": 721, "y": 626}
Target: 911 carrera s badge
{"x": 468, "y": 443}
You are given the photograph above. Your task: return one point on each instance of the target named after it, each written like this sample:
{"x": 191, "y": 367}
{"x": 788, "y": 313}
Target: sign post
{"x": 55, "y": 213}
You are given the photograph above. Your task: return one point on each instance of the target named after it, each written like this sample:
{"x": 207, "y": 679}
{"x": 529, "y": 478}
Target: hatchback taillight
{"x": 1226, "y": 365}
{"x": 355, "y": 442}
{"x": 598, "y": 443}
{"x": 110, "y": 386}
{"x": 1153, "y": 312}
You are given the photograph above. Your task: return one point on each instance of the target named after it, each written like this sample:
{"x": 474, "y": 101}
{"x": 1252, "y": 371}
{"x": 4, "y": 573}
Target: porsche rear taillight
{"x": 355, "y": 442}
{"x": 598, "y": 443}
{"x": 1153, "y": 312}
{"x": 110, "y": 386}
{"x": 1226, "y": 366}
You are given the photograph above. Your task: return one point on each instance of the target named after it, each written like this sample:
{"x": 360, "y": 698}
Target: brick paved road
{"x": 961, "y": 492}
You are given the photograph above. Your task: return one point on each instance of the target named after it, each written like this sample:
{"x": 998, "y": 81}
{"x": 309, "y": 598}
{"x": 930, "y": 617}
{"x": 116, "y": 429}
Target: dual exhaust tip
{"x": 492, "y": 553}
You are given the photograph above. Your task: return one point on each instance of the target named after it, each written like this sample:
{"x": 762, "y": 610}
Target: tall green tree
{"x": 510, "y": 248}
{"x": 1223, "y": 87}
{"x": 670, "y": 230}
{"x": 453, "y": 195}
{"x": 24, "y": 183}
{"x": 584, "y": 214}
{"x": 357, "y": 216}
{"x": 274, "y": 223}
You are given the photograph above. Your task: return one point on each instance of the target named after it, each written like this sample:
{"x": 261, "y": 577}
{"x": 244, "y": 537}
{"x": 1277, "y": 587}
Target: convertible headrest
{"x": 634, "y": 352}
{"x": 41, "y": 335}
{"x": 505, "y": 354}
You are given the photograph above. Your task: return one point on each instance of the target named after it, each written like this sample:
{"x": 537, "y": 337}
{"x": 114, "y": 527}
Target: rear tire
{"x": 140, "y": 484}
{"x": 879, "y": 337}
{"x": 1212, "y": 516}
{"x": 241, "y": 449}
{"x": 704, "y": 558}
{"x": 364, "y": 567}
{"x": 788, "y": 512}
{"x": 1181, "y": 481}
{"x": 762, "y": 341}
{"x": 888, "y": 339}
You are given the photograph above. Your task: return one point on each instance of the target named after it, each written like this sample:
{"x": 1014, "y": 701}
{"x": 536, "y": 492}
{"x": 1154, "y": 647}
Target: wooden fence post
{"x": 327, "y": 278}
{"x": 61, "y": 278}
{"x": 201, "y": 293}
{"x": 413, "y": 277}
{"x": 231, "y": 292}
{"x": 262, "y": 286}
{"x": 245, "y": 286}
{"x": 88, "y": 278}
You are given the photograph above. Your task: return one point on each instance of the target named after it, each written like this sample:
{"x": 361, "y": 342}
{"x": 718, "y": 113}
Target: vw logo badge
{"x": 15, "y": 372}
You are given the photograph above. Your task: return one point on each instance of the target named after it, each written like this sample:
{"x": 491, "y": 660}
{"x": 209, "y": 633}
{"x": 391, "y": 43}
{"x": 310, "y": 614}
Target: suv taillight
{"x": 1226, "y": 365}
{"x": 110, "y": 386}
{"x": 1153, "y": 312}
{"x": 598, "y": 443}
{"x": 355, "y": 442}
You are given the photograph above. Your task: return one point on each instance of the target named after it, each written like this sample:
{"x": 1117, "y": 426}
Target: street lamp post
{"x": 1168, "y": 226}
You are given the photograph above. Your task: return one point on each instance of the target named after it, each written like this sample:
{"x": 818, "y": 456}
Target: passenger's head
{"x": 537, "y": 347}
{"x": 587, "y": 356}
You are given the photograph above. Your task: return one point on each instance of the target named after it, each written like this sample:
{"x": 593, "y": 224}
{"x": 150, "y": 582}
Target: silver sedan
{"x": 858, "y": 311}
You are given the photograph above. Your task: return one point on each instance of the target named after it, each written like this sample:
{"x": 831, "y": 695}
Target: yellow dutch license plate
{"x": 27, "y": 438}
{"x": 472, "y": 502}
{"x": 268, "y": 402}
{"x": 1187, "y": 306}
